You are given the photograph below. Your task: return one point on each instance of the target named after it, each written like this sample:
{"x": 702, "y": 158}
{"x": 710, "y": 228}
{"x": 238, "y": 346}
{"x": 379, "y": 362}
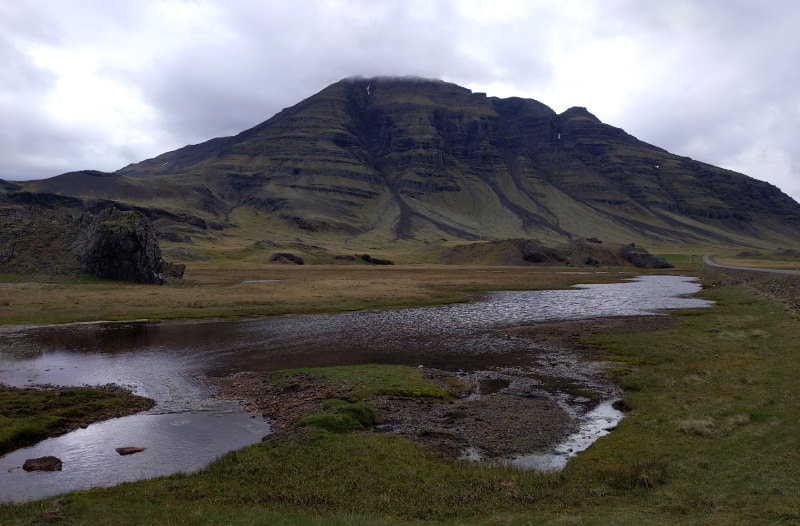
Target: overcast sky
{"x": 100, "y": 84}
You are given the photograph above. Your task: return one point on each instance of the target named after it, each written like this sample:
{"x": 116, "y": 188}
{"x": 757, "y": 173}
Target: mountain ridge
{"x": 375, "y": 161}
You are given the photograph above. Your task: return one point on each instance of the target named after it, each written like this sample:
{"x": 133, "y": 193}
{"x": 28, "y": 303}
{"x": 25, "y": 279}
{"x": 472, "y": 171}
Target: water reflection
{"x": 175, "y": 442}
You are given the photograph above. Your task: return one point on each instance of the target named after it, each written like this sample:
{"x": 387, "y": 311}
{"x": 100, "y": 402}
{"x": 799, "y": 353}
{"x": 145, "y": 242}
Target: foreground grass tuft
{"x": 702, "y": 427}
{"x": 340, "y": 416}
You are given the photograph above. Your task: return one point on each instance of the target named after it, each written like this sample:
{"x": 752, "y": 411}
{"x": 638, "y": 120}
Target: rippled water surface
{"x": 188, "y": 427}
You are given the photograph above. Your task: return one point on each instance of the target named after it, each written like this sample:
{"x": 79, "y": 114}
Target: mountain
{"x": 373, "y": 163}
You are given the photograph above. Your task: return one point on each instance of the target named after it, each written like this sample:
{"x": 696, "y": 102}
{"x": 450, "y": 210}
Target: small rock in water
{"x": 130, "y": 450}
{"x": 49, "y": 463}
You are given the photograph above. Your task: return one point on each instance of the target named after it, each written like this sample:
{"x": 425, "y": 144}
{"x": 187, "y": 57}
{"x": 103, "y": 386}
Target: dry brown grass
{"x": 760, "y": 263}
{"x": 209, "y": 291}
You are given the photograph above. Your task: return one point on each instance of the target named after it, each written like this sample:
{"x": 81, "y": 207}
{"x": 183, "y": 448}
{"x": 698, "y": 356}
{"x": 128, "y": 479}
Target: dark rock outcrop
{"x": 286, "y": 257}
{"x": 48, "y": 463}
{"x": 535, "y": 252}
{"x": 109, "y": 244}
{"x": 375, "y": 261}
{"x": 122, "y": 246}
{"x": 639, "y": 257}
{"x": 172, "y": 270}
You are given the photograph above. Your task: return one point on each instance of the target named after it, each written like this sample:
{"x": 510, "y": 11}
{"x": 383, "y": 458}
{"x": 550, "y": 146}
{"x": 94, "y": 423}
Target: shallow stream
{"x": 189, "y": 427}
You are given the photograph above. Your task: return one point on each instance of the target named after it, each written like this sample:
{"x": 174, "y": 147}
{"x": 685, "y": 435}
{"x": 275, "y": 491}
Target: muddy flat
{"x": 504, "y": 410}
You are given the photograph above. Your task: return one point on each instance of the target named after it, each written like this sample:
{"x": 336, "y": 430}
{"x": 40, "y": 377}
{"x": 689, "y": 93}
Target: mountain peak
{"x": 401, "y": 84}
{"x": 579, "y": 112}
{"x": 390, "y": 79}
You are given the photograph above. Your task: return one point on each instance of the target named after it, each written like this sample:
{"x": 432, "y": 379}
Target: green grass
{"x": 712, "y": 436}
{"x": 373, "y": 379}
{"x": 30, "y": 415}
{"x": 341, "y": 416}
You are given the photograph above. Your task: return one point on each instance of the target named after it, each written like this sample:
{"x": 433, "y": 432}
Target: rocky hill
{"x": 110, "y": 244}
{"x": 368, "y": 163}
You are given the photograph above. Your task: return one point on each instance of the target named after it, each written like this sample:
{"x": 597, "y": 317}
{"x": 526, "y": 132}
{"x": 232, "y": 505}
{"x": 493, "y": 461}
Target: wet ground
{"x": 166, "y": 361}
{"x": 534, "y": 413}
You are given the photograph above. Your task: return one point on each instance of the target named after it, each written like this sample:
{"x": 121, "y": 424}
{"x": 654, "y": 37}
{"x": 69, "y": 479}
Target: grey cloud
{"x": 274, "y": 62}
{"x": 732, "y": 95}
{"x": 19, "y": 74}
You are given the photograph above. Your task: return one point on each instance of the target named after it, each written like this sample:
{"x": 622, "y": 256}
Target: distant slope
{"x": 372, "y": 162}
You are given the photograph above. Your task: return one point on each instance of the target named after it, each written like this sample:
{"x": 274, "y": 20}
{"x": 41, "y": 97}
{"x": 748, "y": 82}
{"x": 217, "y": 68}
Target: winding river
{"x": 189, "y": 427}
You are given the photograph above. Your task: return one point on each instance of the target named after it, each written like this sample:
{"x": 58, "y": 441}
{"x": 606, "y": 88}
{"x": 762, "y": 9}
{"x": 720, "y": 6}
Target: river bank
{"x": 33, "y": 414}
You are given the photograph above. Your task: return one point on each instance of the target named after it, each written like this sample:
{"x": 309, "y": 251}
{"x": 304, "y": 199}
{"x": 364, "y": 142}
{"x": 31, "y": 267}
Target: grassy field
{"x": 711, "y": 436}
{"x": 210, "y": 291}
{"x": 30, "y": 415}
{"x": 761, "y": 262}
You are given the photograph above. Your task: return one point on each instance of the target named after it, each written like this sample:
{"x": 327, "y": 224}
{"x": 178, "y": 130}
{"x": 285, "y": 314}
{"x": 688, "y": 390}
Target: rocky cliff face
{"x": 110, "y": 244}
{"x": 121, "y": 246}
{"x": 379, "y": 160}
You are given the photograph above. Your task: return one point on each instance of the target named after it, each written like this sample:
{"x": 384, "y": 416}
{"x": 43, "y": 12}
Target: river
{"x": 189, "y": 427}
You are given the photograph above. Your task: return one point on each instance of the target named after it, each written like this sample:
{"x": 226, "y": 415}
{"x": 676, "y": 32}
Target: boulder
{"x": 48, "y": 463}
{"x": 130, "y": 450}
{"x": 121, "y": 245}
{"x": 172, "y": 270}
{"x": 535, "y": 252}
{"x": 286, "y": 257}
{"x": 639, "y": 257}
{"x": 375, "y": 261}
